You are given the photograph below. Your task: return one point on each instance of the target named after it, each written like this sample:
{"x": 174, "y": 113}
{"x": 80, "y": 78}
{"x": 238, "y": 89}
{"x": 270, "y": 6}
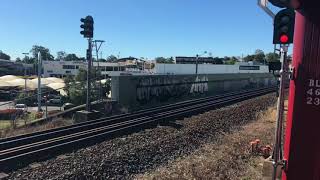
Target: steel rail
{"x": 10, "y": 154}
{"x": 28, "y": 138}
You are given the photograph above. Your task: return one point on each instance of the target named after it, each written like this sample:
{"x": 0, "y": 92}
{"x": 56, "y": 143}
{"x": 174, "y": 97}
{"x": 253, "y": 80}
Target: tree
{"x": 102, "y": 60}
{"x": 28, "y": 60}
{"x": 161, "y": 60}
{"x": 18, "y": 59}
{"x": 234, "y": 59}
{"x": 4, "y": 56}
{"x": 71, "y": 57}
{"x": 81, "y": 76}
{"x": 217, "y": 60}
{"x": 61, "y": 55}
{"x": 272, "y": 57}
{"x": 45, "y": 53}
{"x": 259, "y": 56}
{"x": 170, "y": 60}
{"x": 112, "y": 58}
{"x": 249, "y": 58}
{"x": 226, "y": 58}
{"x": 76, "y": 87}
{"x": 82, "y": 59}
{"x": 231, "y": 61}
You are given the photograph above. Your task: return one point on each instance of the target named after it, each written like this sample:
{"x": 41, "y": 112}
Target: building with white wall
{"x": 65, "y": 68}
{"x": 180, "y": 69}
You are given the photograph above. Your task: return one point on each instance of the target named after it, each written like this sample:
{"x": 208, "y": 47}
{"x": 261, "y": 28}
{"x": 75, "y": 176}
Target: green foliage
{"x": 18, "y": 59}
{"x": 4, "y": 56}
{"x": 231, "y": 62}
{"x": 72, "y": 57}
{"x": 170, "y": 60}
{"x": 45, "y": 53}
{"x": 249, "y": 58}
{"x": 77, "y": 94}
{"x": 217, "y": 60}
{"x": 29, "y": 60}
{"x": 4, "y": 71}
{"x": 272, "y": 57}
{"x": 28, "y": 99}
{"x": 61, "y": 55}
{"x": 76, "y": 87}
{"x": 82, "y": 59}
{"x": 81, "y": 76}
{"x": 259, "y": 56}
{"x": 112, "y": 58}
{"x": 164, "y": 60}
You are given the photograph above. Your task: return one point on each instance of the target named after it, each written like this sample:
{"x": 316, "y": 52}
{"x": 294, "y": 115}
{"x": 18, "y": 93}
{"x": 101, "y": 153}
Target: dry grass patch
{"x": 25, "y": 130}
{"x": 229, "y": 157}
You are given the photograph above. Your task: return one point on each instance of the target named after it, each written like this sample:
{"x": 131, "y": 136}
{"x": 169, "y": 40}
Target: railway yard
{"x": 159, "y": 152}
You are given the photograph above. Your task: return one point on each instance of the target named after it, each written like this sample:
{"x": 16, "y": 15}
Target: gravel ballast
{"x": 124, "y": 157}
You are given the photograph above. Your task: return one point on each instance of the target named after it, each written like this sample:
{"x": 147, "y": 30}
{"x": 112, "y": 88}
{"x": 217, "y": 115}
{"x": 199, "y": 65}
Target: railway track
{"x": 20, "y": 150}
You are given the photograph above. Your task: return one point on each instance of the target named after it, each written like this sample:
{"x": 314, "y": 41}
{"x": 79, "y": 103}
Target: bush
{"x": 10, "y": 113}
{"x": 39, "y": 115}
{"x": 29, "y": 99}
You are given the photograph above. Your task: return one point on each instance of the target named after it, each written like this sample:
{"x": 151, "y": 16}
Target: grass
{"x": 6, "y": 129}
{"x": 24, "y": 130}
{"x": 4, "y": 124}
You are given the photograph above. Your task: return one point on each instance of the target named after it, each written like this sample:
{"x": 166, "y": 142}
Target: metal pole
{"x": 280, "y": 108}
{"x": 46, "y": 107}
{"x": 97, "y": 51}
{"x": 39, "y": 81}
{"x": 263, "y": 5}
{"x": 97, "y": 54}
{"x": 197, "y": 64}
{"x": 89, "y": 59}
{"x": 25, "y": 80}
{"x": 25, "y": 74}
{"x": 97, "y": 69}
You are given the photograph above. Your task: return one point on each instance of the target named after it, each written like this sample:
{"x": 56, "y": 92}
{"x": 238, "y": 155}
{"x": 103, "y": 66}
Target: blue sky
{"x": 140, "y": 28}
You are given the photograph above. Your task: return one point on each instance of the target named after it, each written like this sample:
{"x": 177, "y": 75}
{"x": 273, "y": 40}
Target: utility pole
{"x": 97, "y": 48}
{"x": 25, "y": 74}
{"x": 197, "y": 58}
{"x": 39, "y": 80}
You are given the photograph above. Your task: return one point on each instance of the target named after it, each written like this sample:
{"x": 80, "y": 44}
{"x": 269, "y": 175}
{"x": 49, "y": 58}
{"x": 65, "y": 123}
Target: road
{"x": 5, "y": 105}
{"x": 50, "y": 108}
{"x": 8, "y": 105}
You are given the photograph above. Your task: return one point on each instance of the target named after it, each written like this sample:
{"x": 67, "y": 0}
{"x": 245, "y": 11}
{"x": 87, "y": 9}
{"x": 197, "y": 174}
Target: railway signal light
{"x": 87, "y": 27}
{"x": 284, "y": 27}
{"x": 281, "y": 3}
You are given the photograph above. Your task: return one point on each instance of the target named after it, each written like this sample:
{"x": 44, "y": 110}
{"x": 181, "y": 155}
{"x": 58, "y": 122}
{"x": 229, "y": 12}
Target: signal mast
{"x": 301, "y": 158}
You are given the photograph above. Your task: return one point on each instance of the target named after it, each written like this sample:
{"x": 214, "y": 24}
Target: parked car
{"x": 53, "y": 96}
{"x": 22, "y": 107}
{"x": 67, "y": 106}
{"x": 55, "y": 101}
